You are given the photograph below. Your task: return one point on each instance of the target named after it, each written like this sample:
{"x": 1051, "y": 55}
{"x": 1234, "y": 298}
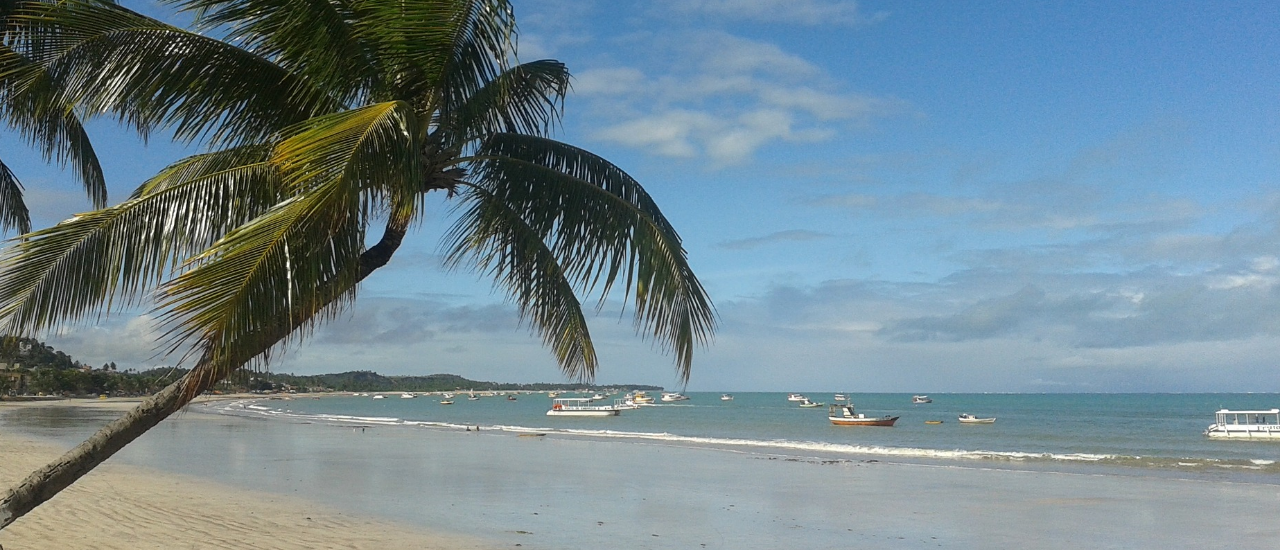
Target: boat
{"x": 932, "y": 421}
{"x": 807, "y": 404}
{"x": 726, "y": 397}
{"x": 839, "y": 397}
{"x": 641, "y": 398}
{"x": 582, "y": 406}
{"x": 674, "y": 396}
{"x": 796, "y": 397}
{"x": 553, "y": 394}
{"x": 967, "y": 418}
{"x": 1245, "y": 425}
{"x": 598, "y": 396}
{"x": 918, "y": 399}
{"x": 447, "y": 402}
{"x": 511, "y": 398}
{"x": 379, "y": 396}
{"x": 844, "y": 415}
{"x": 448, "y": 396}
{"x": 407, "y": 396}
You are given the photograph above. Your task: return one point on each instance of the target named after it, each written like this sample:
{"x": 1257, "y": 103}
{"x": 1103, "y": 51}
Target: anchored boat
{"x": 844, "y": 415}
{"x": 1245, "y": 425}
{"x": 582, "y": 406}
{"x": 967, "y": 418}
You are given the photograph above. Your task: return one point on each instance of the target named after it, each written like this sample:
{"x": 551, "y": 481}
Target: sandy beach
{"x": 119, "y": 506}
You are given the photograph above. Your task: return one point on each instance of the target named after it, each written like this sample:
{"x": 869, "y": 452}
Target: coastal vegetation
{"x": 324, "y": 124}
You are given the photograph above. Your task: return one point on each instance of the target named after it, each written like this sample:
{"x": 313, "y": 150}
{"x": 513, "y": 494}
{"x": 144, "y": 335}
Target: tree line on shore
{"x": 35, "y": 368}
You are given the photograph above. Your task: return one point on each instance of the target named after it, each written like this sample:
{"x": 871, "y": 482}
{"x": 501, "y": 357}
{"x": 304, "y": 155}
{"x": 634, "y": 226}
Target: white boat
{"x": 967, "y": 418}
{"x": 807, "y": 404}
{"x": 1245, "y": 425}
{"x": 447, "y": 402}
{"x": 796, "y": 397}
{"x": 839, "y": 397}
{"x": 379, "y": 396}
{"x": 407, "y": 396}
{"x": 918, "y": 399}
{"x": 448, "y": 396}
{"x": 726, "y": 397}
{"x": 598, "y": 396}
{"x": 844, "y": 415}
{"x": 674, "y": 396}
{"x": 582, "y": 406}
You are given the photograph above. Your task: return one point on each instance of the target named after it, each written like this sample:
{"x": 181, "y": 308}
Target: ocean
{"x": 1143, "y": 434}
{"x": 754, "y": 472}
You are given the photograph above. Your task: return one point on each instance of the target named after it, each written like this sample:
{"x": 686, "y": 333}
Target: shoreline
{"x": 553, "y": 492}
{"x": 121, "y": 506}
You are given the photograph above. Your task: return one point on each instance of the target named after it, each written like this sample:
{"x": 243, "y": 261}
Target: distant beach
{"x": 376, "y": 486}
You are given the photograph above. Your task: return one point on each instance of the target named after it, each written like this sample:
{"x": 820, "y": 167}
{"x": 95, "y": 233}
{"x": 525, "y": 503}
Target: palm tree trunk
{"x": 46, "y": 482}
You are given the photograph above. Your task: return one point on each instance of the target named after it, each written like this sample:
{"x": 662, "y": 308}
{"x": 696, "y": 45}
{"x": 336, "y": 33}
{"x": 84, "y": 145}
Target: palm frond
{"x": 509, "y": 250}
{"x": 64, "y": 272}
{"x": 526, "y": 99}
{"x": 311, "y": 38}
{"x": 427, "y": 47}
{"x": 301, "y": 258}
{"x": 13, "y": 211}
{"x": 109, "y": 59}
{"x": 600, "y": 225}
{"x": 32, "y": 107}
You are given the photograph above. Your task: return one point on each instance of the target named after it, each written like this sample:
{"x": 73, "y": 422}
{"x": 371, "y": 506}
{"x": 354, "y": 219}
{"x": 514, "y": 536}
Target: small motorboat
{"x": 807, "y": 404}
{"x": 918, "y": 399}
{"x": 932, "y": 421}
{"x": 840, "y": 397}
{"x": 726, "y": 397}
{"x": 674, "y": 396}
{"x": 967, "y": 418}
{"x": 796, "y": 397}
{"x": 407, "y": 395}
{"x": 843, "y": 415}
{"x": 511, "y": 398}
{"x": 379, "y": 396}
{"x": 447, "y": 402}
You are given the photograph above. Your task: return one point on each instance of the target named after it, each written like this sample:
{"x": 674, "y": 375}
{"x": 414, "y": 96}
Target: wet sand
{"x": 119, "y": 506}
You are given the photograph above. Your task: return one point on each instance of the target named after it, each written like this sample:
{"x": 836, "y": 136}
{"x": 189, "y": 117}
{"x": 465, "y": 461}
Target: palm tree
{"x": 324, "y": 118}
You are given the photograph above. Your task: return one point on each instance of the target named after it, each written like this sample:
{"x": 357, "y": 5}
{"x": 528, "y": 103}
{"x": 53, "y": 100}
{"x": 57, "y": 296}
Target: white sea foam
{"x": 665, "y": 437}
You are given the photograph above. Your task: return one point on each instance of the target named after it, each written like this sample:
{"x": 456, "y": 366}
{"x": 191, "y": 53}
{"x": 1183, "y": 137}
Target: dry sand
{"x": 123, "y": 507}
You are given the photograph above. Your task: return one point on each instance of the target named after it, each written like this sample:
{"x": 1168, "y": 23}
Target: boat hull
{"x": 885, "y": 421}
{"x": 597, "y": 412}
{"x": 1243, "y": 432}
{"x": 977, "y": 421}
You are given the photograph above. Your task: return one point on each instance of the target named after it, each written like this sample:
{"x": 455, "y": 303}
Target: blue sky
{"x": 879, "y": 196}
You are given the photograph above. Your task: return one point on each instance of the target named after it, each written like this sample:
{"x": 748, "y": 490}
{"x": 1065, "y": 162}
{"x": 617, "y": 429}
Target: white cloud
{"x": 801, "y": 12}
{"x": 721, "y": 97}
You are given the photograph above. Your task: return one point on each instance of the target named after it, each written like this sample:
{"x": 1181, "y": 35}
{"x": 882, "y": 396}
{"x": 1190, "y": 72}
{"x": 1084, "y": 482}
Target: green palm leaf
{"x": 30, "y": 105}
{"x": 526, "y": 99}
{"x": 13, "y": 211}
{"x": 600, "y": 225}
{"x": 61, "y": 273}
{"x": 301, "y": 258}
{"x": 150, "y": 74}
{"x": 515, "y": 255}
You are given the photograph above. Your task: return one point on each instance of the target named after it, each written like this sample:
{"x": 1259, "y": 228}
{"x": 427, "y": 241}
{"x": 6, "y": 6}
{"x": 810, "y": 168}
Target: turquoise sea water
{"x": 755, "y": 472}
{"x": 1144, "y": 434}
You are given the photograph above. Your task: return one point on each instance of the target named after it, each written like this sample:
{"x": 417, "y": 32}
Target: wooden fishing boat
{"x": 844, "y": 415}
